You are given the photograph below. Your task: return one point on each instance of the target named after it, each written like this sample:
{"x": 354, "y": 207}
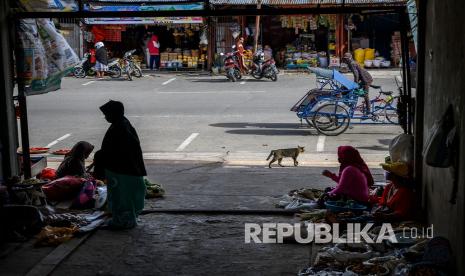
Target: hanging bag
{"x": 438, "y": 148}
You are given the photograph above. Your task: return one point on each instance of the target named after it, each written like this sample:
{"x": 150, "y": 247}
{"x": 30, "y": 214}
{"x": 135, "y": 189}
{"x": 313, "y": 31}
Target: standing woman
{"x": 101, "y": 56}
{"x": 154, "y": 51}
{"x": 240, "y": 52}
{"x": 123, "y": 164}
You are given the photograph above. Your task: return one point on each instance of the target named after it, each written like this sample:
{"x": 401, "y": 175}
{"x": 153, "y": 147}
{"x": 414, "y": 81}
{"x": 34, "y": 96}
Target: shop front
{"x": 183, "y": 43}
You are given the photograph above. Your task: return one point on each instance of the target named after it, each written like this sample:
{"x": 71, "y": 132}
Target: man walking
{"x": 362, "y": 77}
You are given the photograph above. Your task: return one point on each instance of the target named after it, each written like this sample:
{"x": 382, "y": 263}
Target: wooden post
{"x": 257, "y": 25}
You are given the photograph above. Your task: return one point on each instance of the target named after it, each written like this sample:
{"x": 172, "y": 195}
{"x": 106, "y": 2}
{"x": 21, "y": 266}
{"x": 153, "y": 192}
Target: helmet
{"x": 99, "y": 45}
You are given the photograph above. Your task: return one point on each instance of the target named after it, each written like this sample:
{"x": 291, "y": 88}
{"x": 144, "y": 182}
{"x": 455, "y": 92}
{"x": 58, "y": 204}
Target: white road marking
{"x": 87, "y": 83}
{"x": 187, "y": 141}
{"x": 168, "y": 81}
{"x": 243, "y": 82}
{"x": 320, "y": 145}
{"x": 58, "y": 140}
{"x": 210, "y": 92}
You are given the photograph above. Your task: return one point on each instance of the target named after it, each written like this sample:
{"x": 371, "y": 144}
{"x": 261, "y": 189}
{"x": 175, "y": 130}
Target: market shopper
{"x": 362, "y": 77}
{"x": 240, "y": 53}
{"x": 101, "y": 56}
{"x": 354, "y": 177}
{"x": 154, "y": 51}
{"x": 74, "y": 162}
{"x": 123, "y": 164}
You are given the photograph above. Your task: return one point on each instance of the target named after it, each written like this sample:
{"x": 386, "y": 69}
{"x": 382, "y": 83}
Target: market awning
{"x": 215, "y": 8}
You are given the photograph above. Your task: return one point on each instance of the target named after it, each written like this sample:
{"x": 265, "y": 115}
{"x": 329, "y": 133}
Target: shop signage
{"x": 145, "y": 20}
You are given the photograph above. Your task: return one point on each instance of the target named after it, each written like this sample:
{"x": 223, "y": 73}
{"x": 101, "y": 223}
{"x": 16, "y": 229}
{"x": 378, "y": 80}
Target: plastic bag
{"x": 341, "y": 252}
{"x": 47, "y": 174}
{"x": 439, "y": 146}
{"x": 85, "y": 199}
{"x": 64, "y": 188}
{"x": 401, "y": 149}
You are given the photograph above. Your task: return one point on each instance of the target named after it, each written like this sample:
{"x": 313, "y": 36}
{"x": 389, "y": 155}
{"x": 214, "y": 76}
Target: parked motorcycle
{"x": 262, "y": 68}
{"x": 130, "y": 67}
{"x": 232, "y": 67}
{"x": 85, "y": 68}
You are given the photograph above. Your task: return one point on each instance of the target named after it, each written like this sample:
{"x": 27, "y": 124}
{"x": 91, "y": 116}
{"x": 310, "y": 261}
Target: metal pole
{"x": 420, "y": 94}
{"x": 406, "y": 69}
{"x": 26, "y": 154}
{"x": 257, "y": 26}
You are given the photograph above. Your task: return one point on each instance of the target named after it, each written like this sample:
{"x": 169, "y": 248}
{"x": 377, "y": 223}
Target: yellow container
{"x": 359, "y": 56}
{"x": 369, "y": 54}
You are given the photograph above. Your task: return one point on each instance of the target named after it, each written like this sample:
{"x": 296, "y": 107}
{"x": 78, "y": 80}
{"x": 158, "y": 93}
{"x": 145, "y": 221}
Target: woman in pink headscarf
{"x": 354, "y": 177}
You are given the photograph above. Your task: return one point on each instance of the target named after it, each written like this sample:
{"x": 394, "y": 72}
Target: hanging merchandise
{"x": 204, "y": 36}
{"x": 44, "y": 56}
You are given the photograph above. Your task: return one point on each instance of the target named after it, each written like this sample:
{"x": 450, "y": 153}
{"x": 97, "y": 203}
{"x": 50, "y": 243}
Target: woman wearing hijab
{"x": 74, "y": 162}
{"x": 354, "y": 177}
{"x": 121, "y": 159}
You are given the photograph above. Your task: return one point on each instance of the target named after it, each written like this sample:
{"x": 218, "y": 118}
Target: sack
{"x": 64, "y": 188}
{"x": 439, "y": 146}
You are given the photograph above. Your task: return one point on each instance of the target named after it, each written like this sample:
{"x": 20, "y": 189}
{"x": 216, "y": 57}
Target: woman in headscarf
{"x": 74, "y": 162}
{"x": 121, "y": 159}
{"x": 354, "y": 177}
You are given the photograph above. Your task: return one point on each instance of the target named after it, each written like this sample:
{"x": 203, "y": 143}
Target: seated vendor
{"x": 398, "y": 200}
{"x": 74, "y": 162}
{"x": 354, "y": 177}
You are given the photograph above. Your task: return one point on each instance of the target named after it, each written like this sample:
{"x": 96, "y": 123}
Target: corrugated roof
{"x": 349, "y": 3}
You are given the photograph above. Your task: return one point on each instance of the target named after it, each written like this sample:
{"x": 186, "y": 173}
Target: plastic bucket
{"x": 359, "y": 56}
{"x": 369, "y": 54}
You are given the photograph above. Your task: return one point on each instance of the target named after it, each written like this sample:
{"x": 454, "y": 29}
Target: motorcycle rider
{"x": 361, "y": 76}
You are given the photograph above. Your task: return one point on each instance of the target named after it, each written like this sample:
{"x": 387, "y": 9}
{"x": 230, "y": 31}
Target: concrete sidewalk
{"x": 193, "y": 243}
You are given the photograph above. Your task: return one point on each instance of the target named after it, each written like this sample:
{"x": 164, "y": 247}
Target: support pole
{"x": 257, "y": 26}
{"x": 407, "y": 85}
{"x": 26, "y": 154}
{"x": 420, "y": 94}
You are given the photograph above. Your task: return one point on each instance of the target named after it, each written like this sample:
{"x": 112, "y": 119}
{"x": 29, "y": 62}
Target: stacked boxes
{"x": 186, "y": 59}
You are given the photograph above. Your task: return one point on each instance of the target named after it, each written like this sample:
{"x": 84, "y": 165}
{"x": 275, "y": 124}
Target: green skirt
{"x": 126, "y": 195}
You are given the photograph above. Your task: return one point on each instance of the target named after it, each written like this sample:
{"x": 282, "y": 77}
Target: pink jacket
{"x": 353, "y": 184}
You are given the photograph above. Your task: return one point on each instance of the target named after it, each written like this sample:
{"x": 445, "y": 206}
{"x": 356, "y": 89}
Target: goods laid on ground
{"x": 179, "y": 58}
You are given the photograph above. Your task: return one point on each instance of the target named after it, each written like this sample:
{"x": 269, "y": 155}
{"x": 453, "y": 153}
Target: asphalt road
{"x": 197, "y": 114}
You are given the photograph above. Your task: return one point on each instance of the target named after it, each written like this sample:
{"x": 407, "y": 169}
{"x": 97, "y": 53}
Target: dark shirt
{"x": 101, "y": 55}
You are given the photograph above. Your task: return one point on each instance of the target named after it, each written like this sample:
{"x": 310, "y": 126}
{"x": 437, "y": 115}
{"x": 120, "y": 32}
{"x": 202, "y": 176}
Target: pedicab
{"x": 335, "y": 104}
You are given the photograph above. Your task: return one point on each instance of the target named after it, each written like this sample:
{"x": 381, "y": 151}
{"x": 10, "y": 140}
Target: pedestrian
{"x": 154, "y": 51}
{"x": 101, "y": 56}
{"x": 123, "y": 164}
{"x": 74, "y": 162}
{"x": 362, "y": 77}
